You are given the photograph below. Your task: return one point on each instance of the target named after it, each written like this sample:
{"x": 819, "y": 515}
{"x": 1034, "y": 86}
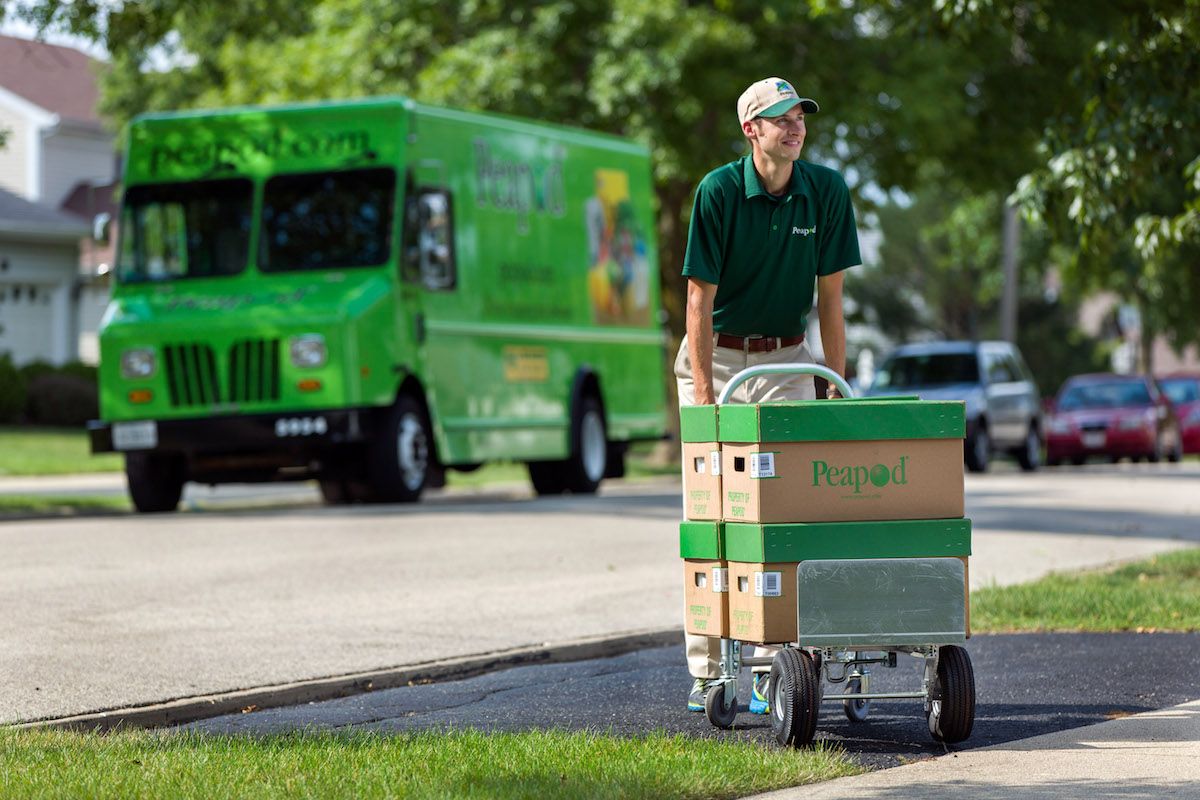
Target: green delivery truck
{"x": 368, "y": 293}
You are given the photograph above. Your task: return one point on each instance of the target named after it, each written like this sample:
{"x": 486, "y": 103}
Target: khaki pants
{"x": 704, "y": 652}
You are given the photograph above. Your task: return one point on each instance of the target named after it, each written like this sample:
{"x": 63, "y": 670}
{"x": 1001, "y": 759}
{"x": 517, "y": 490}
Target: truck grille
{"x": 192, "y": 375}
{"x": 254, "y": 371}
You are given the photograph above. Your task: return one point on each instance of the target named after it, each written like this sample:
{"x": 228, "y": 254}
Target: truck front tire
{"x": 155, "y": 480}
{"x": 401, "y": 459}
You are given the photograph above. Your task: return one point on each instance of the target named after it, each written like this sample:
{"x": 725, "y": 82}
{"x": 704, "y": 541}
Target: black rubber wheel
{"x": 1030, "y": 454}
{"x": 977, "y": 450}
{"x": 795, "y": 697}
{"x": 155, "y": 481}
{"x": 856, "y": 710}
{"x": 953, "y": 696}
{"x": 401, "y": 459}
{"x": 715, "y": 710}
{"x": 582, "y": 471}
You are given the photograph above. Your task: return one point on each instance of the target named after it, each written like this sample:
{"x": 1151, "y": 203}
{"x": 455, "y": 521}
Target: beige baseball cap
{"x": 771, "y": 97}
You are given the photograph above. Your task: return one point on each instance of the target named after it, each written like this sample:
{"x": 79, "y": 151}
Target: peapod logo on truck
{"x": 858, "y": 475}
{"x": 237, "y": 149}
{"x": 517, "y": 186}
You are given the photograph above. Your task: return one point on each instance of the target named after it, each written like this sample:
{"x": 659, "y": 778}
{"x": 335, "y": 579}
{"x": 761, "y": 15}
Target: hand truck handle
{"x": 785, "y": 369}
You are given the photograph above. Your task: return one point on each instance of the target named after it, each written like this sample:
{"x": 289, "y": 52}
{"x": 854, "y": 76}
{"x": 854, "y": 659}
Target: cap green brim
{"x": 784, "y": 106}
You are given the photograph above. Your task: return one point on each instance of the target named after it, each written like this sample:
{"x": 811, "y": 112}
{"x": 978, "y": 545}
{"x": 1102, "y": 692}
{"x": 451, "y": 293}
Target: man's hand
{"x": 698, "y": 324}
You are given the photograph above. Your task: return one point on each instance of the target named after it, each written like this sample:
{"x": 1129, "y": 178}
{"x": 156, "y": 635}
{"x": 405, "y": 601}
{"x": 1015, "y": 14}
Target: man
{"x": 765, "y": 229}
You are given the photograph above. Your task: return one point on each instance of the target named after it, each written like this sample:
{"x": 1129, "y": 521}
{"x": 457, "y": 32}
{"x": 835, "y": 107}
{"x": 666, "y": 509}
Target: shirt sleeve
{"x": 839, "y": 245}
{"x": 703, "y": 258}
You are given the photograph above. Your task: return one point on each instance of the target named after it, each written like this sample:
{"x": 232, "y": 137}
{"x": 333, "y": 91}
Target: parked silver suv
{"x": 1004, "y": 409}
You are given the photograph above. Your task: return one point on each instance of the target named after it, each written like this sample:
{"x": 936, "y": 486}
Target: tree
{"x": 1121, "y": 172}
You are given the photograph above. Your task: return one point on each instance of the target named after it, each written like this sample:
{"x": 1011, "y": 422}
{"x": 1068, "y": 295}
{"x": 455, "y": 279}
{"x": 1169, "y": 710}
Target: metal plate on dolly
{"x": 881, "y": 602}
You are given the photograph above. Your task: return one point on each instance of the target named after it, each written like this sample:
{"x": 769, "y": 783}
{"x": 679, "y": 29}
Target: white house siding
{"x": 35, "y": 294}
{"x": 70, "y": 157}
{"x": 14, "y": 169}
{"x": 93, "y": 300}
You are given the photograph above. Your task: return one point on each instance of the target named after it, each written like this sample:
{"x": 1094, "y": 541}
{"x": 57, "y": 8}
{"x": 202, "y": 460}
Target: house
{"x": 57, "y": 170}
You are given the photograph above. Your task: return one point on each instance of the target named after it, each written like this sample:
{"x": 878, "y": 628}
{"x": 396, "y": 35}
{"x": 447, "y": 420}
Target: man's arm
{"x": 699, "y": 327}
{"x": 833, "y": 325}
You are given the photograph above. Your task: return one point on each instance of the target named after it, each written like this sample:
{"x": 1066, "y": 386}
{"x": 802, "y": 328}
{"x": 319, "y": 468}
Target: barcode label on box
{"x": 762, "y": 465}
{"x": 768, "y": 584}
{"x": 714, "y": 458}
{"x": 720, "y": 579}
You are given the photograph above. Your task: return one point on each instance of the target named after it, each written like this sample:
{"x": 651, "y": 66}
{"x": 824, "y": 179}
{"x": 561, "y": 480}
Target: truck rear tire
{"x": 401, "y": 458}
{"x": 582, "y": 471}
{"x": 155, "y": 481}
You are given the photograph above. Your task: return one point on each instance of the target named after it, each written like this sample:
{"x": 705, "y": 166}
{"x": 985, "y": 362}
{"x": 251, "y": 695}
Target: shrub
{"x": 35, "y": 369}
{"x": 12, "y": 390}
{"x": 60, "y": 398}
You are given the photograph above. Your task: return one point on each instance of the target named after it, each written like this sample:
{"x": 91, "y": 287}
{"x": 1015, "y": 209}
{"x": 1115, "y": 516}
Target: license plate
{"x": 1093, "y": 439}
{"x": 135, "y": 435}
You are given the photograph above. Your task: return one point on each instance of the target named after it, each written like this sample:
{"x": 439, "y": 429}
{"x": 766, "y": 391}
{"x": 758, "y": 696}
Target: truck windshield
{"x": 928, "y": 370}
{"x": 192, "y": 230}
{"x": 327, "y": 220}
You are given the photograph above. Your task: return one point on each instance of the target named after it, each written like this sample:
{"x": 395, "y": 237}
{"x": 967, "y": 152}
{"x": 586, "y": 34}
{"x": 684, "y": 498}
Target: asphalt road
{"x": 124, "y": 610}
{"x": 1027, "y": 684}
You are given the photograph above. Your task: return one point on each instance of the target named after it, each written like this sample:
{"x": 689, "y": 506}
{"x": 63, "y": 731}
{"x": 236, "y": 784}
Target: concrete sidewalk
{"x": 1152, "y": 755}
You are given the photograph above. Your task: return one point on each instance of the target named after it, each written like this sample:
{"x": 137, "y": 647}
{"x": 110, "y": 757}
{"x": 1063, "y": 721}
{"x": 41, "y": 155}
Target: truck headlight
{"x": 139, "y": 362}
{"x": 308, "y": 351}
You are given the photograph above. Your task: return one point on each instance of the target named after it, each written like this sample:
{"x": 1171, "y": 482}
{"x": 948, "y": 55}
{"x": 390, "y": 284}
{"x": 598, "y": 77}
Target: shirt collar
{"x": 755, "y": 188}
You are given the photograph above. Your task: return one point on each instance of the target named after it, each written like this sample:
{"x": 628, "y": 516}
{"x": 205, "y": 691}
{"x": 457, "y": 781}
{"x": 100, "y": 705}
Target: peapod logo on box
{"x": 858, "y": 476}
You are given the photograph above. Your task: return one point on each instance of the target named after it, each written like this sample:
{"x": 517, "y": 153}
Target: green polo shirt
{"x": 763, "y": 252}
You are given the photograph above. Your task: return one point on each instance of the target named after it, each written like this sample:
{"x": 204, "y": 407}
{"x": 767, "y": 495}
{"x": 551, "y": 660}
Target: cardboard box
{"x": 701, "y": 462}
{"x": 841, "y": 460}
{"x": 706, "y": 597}
{"x": 762, "y": 602}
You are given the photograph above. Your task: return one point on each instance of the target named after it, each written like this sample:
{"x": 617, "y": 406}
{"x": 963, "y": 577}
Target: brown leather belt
{"x": 757, "y": 344}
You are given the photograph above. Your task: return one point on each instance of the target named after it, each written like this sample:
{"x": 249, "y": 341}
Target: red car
{"x": 1114, "y": 416}
{"x": 1183, "y": 390}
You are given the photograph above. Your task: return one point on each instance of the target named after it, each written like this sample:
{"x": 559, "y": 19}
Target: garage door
{"x": 26, "y": 321}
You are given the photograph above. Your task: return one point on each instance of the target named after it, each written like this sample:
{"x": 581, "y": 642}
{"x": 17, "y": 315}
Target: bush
{"x": 12, "y": 390}
{"x": 36, "y": 369}
{"x": 60, "y": 398}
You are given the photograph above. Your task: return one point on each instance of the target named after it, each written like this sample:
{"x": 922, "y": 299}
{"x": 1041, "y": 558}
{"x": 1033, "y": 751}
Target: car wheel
{"x": 978, "y": 450}
{"x": 1030, "y": 454}
{"x": 402, "y": 459}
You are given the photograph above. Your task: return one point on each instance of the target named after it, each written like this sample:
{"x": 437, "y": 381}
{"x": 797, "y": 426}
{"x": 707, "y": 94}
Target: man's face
{"x": 779, "y": 137}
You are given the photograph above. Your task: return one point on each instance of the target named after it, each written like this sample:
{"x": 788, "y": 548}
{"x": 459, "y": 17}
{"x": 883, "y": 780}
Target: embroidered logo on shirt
{"x": 804, "y": 231}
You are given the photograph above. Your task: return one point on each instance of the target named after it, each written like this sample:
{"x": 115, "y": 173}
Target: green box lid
{"x": 796, "y": 541}
{"x": 842, "y": 420}
{"x": 701, "y": 539}
{"x": 698, "y": 423}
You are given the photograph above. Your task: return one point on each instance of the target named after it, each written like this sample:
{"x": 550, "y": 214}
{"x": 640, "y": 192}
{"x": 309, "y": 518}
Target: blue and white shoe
{"x": 699, "y": 691}
{"x": 760, "y": 686}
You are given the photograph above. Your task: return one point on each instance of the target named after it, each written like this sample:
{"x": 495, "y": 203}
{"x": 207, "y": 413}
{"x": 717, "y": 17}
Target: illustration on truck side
{"x": 367, "y": 293}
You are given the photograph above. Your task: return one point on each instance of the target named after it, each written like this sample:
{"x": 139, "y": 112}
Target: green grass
{"x": 1159, "y": 594}
{"x": 51, "y": 451}
{"x": 464, "y": 764}
{"x": 16, "y": 505}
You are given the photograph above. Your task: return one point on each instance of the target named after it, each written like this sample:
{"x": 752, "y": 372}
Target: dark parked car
{"x": 1004, "y": 409}
{"x": 1117, "y": 416}
{"x": 1183, "y": 390}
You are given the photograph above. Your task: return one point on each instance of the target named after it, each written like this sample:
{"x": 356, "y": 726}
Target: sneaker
{"x": 760, "y": 686}
{"x": 699, "y": 691}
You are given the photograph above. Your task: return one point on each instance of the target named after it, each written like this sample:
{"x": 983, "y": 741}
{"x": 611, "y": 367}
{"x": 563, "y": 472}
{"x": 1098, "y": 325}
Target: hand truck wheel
{"x": 720, "y": 715}
{"x": 795, "y": 697}
{"x": 951, "y": 713}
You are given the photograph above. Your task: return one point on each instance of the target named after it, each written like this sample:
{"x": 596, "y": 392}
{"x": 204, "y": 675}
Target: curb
{"x": 190, "y": 709}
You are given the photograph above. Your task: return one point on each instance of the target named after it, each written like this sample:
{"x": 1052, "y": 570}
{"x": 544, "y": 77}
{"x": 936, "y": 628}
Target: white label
{"x": 762, "y": 465}
{"x": 135, "y": 435}
{"x": 768, "y": 584}
{"x": 714, "y": 459}
{"x": 720, "y": 579}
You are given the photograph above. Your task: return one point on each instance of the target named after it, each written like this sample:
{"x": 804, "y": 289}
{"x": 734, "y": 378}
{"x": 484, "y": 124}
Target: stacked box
{"x": 705, "y": 578}
{"x": 848, "y": 510}
{"x": 701, "y": 462}
{"x": 872, "y": 567}
{"x": 842, "y": 460}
